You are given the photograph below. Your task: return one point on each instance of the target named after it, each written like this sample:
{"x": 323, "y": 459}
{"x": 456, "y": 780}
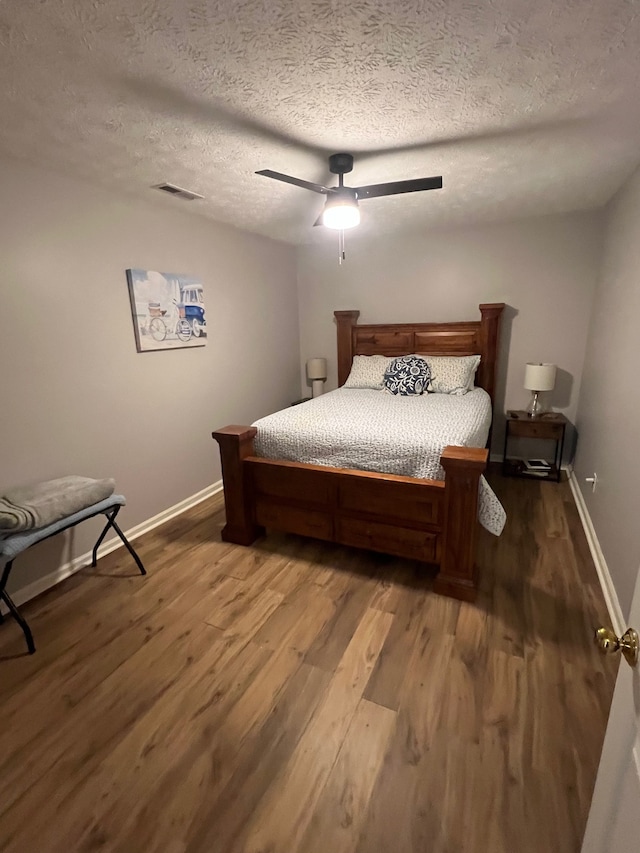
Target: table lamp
{"x": 317, "y": 373}
{"x": 538, "y": 377}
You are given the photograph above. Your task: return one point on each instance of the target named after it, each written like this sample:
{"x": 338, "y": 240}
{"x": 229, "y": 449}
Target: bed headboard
{"x": 466, "y": 338}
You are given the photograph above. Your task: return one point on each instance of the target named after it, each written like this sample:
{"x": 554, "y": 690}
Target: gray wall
{"x": 77, "y": 397}
{"x": 609, "y": 410}
{"x": 545, "y": 269}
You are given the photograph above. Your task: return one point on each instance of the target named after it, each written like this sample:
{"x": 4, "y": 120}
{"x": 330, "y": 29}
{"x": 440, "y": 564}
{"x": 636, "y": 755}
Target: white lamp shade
{"x": 540, "y": 377}
{"x": 341, "y": 209}
{"x": 341, "y": 216}
{"x": 317, "y": 368}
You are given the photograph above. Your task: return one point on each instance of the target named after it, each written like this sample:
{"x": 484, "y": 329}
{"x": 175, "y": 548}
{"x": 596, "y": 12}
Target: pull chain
{"x": 341, "y": 253}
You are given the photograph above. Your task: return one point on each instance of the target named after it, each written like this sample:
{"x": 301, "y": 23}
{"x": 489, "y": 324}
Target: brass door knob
{"x": 628, "y": 644}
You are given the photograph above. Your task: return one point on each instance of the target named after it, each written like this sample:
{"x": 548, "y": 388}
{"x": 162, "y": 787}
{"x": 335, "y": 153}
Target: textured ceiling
{"x": 524, "y": 108}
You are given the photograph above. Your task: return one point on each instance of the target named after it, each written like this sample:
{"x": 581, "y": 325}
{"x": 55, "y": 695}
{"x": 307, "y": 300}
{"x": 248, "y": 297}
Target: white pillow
{"x": 451, "y": 374}
{"x": 367, "y": 371}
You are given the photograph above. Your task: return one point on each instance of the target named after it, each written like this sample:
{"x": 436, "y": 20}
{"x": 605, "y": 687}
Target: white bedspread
{"x": 375, "y": 431}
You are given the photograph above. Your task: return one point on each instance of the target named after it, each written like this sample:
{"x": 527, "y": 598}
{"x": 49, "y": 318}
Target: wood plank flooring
{"x": 297, "y": 697}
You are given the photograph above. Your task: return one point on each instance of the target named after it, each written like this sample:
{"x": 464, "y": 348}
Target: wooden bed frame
{"x": 430, "y": 520}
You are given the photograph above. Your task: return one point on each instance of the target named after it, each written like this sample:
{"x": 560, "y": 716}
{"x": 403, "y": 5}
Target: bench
{"x": 14, "y": 544}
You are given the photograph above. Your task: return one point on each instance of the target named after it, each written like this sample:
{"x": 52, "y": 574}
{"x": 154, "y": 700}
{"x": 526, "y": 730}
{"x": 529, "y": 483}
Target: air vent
{"x": 172, "y": 189}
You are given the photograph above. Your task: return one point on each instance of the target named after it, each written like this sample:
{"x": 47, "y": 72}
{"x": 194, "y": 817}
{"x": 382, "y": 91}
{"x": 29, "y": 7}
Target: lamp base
{"x": 536, "y": 406}
{"x": 316, "y": 387}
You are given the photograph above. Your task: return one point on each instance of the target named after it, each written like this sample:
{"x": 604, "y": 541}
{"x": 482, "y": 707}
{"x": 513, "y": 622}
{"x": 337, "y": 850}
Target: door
{"x": 614, "y": 820}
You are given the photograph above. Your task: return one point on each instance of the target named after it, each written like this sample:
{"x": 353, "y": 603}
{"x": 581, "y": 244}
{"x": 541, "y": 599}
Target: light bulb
{"x": 341, "y": 215}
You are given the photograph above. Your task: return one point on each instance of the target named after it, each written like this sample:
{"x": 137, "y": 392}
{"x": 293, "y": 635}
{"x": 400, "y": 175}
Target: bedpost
{"x": 491, "y": 314}
{"x": 236, "y": 443}
{"x": 345, "y": 320}
{"x": 458, "y": 573}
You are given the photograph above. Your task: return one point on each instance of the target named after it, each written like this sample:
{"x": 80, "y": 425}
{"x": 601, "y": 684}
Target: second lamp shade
{"x": 540, "y": 377}
{"x": 317, "y": 368}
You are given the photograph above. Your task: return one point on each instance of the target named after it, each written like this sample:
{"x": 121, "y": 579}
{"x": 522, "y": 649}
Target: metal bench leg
{"x": 22, "y": 622}
{"x": 94, "y": 555}
{"x": 4, "y": 596}
{"x": 3, "y": 583}
{"x": 111, "y": 515}
{"x": 129, "y": 548}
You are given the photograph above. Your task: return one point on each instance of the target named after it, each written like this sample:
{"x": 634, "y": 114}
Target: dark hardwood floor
{"x": 295, "y": 696}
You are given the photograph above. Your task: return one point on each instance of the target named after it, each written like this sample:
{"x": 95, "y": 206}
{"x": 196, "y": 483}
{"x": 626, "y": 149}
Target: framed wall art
{"x": 168, "y": 310}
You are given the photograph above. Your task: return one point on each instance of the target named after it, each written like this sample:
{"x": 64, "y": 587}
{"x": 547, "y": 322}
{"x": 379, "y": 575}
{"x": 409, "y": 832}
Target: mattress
{"x": 372, "y": 430}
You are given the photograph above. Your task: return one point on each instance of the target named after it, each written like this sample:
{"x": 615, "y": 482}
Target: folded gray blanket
{"x": 30, "y": 507}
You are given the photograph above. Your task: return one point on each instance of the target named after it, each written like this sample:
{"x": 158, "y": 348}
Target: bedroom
{"x": 539, "y": 210}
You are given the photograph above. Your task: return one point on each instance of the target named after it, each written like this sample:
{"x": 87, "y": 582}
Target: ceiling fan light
{"x": 341, "y": 214}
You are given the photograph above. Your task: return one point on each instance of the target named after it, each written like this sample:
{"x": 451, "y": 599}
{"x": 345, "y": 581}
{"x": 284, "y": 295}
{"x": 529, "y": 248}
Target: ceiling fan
{"x": 341, "y": 207}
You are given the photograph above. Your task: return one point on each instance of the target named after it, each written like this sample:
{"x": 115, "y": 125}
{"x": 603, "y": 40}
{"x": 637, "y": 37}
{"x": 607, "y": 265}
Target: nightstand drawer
{"x": 536, "y": 429}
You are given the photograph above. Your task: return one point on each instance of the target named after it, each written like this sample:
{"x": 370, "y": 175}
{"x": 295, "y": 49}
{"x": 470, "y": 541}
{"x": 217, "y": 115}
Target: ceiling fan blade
{"x": 306, "y": 185}
{"x": 397, "y": 187}
{"x": 318, "y": 220}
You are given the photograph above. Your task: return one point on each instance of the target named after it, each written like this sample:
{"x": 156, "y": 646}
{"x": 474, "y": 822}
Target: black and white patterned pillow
{"x": 407, "y": 375}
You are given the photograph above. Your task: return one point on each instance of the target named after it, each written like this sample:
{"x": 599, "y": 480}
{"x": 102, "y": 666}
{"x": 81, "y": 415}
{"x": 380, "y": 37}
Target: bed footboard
{"x": 428, "y": 520}
{"x": 236, "y": 444}
{"x": 458, "y": 573}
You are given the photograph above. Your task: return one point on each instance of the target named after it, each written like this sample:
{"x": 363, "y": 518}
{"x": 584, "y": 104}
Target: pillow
{"x": 407, "y": 375}
{"x": 451, "y": 374}
{"x": 367, "y": 371}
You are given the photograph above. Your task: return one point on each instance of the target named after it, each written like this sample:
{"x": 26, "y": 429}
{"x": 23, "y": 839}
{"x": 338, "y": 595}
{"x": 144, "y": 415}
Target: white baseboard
{"x": 52, "y": 578}
{"x": 608, "y": 589}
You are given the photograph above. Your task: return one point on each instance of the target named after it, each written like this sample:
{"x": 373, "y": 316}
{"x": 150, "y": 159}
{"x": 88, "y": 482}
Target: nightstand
{"x": 551, "y": 427}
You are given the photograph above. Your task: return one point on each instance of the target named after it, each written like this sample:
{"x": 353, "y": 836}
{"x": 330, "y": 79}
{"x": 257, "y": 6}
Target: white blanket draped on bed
{"x": 376, "y": 431}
